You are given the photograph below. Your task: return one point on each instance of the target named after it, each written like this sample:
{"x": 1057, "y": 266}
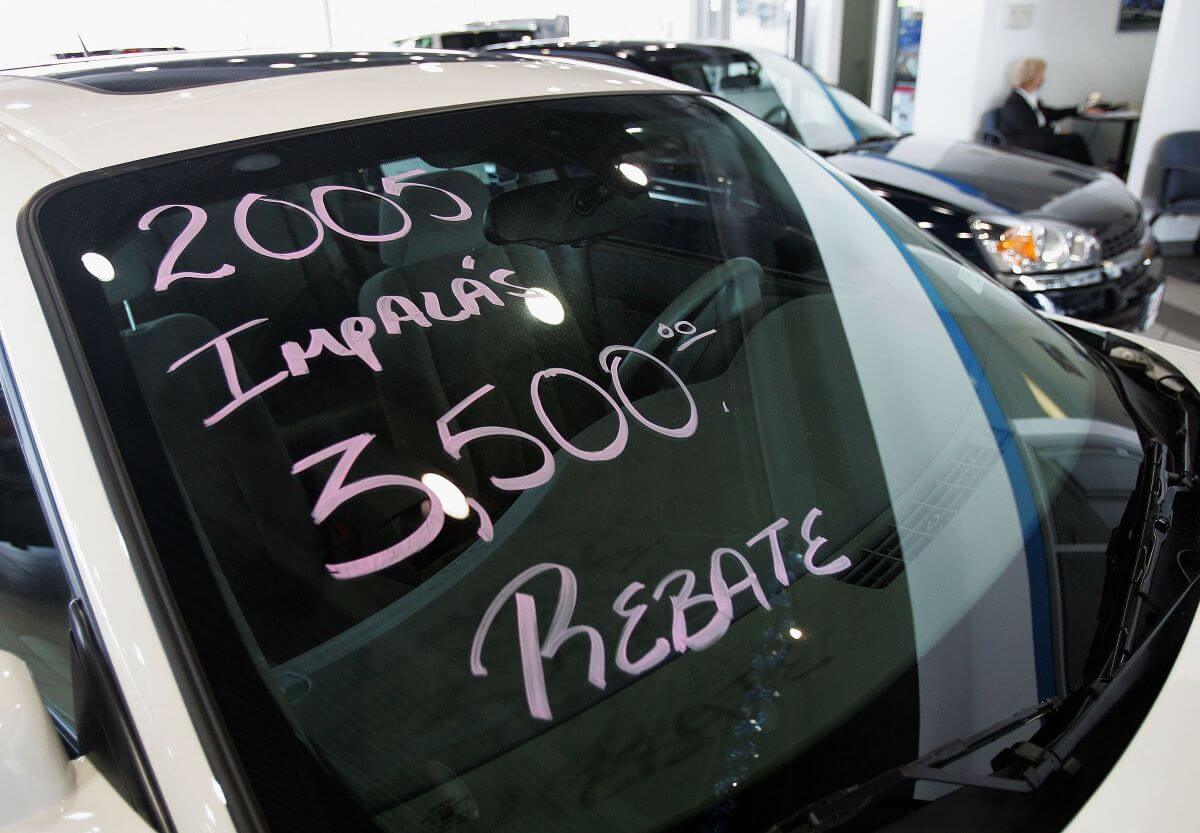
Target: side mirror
{"x": 34, "y": 771}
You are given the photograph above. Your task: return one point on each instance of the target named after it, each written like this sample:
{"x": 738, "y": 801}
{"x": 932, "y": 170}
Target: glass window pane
{"x": 590, "y": 464}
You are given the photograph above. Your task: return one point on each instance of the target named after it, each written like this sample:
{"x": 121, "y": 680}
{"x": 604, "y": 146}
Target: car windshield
{"x": 582, "y": 464}
{"x": 482, "y": 38}
{"x": 825, "y": 118}
{"x": 779, "y": 91}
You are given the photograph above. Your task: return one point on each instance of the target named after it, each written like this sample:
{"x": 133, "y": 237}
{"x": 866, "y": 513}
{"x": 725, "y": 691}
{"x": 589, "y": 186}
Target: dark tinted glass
{"x": 587, "y": 464}
{"x": 487, "y": 37}
{"x": 123, "y": 76}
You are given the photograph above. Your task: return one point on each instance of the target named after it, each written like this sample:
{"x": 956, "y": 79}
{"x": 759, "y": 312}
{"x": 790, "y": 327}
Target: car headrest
{"x": 428, "y": 238}
{"x": 133, "y": 274}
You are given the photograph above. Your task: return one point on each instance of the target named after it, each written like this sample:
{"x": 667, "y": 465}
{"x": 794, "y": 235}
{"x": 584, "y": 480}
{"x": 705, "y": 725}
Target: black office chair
{"x": 1178, "y": 171}
{"x": 989, "y": 129}
{"x": 1173, "y": 183}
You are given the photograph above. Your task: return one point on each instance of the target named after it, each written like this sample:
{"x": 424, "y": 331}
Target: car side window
{"x": 34, "y": 592}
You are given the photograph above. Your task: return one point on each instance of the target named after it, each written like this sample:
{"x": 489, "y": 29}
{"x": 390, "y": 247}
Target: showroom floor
{"x": 1179, "y": 319}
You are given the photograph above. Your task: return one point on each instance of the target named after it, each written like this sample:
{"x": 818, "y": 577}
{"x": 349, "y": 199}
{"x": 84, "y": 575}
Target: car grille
{"x": 1123, "y": 239}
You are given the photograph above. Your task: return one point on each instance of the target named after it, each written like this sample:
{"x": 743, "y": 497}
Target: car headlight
{"x": 1022, "y": 251}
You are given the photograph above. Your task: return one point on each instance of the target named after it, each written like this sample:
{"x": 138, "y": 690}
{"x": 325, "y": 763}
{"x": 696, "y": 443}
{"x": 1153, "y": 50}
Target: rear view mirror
{"x": 563, "y": 211}
{"x": 36, "y": 774}
{"x": 740, "y": 82}
{"x": 741, "y": 75}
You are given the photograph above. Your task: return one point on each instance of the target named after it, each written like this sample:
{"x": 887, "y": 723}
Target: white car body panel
{"x": 60, "y": 130}
{"x": 92, "y": 807}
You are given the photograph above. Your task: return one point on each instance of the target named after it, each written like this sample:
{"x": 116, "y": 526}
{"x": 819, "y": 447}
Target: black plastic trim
{"x": 183, "y": 73}
{"x": 105, "y": 730}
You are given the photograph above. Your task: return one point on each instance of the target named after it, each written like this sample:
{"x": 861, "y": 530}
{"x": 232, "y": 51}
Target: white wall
{"x": 1172, "y": 104}
{"x": 822, "y": 45}
{"x": 949, "y": 85}
{"x": 883, "y": 70}
{"x": 968, "y": 52}
{"x": 1172, "y": 99}
{"x": 358, "y": 22}
{"x": 33, "y": 32}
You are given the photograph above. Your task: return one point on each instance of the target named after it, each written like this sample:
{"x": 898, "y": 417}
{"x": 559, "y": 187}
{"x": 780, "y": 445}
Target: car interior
{"x": 615, "y": 268}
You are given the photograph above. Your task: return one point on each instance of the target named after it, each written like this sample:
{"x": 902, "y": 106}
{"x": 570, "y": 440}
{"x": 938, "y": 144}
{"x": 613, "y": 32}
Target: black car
{"x": 1067, "y": 238}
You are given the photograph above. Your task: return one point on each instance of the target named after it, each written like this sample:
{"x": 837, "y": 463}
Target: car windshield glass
{"x": 825, "y": 118}
{"x": 583, "y": 464}
{"x": 867, "y": 123}
{"x": 482, "y": 38}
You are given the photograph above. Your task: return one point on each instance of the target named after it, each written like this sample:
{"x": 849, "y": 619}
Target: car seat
{"x": 252, "y": 513}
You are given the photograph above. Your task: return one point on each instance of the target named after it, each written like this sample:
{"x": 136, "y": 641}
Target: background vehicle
{"x": 1065, "y": 237}
{"x": 480, "y": 35}
{"x": 535, "y": 459}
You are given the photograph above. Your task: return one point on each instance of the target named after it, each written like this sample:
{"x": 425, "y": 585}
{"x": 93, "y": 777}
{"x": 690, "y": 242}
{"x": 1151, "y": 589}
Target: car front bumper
{"x": 1127, "y": 296}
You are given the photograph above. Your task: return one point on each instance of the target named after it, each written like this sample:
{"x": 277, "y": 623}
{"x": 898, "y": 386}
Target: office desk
{"x": 1128, "y": 119}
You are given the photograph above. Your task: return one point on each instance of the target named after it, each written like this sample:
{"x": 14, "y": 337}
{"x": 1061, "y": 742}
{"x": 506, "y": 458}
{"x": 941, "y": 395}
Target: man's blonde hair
{"x": 1026, "y": 70}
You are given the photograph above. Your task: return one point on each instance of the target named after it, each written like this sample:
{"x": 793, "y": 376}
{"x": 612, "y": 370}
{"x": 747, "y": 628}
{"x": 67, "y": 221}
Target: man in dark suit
{"x": 1025, "y": 121}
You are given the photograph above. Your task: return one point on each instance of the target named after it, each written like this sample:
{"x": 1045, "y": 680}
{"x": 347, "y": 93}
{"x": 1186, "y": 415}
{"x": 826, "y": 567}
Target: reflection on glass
{"x": 545, "y": 307}
{"x": 100, "y": 266}
{"x": 633, "y": 173}
{"x": 454, "y": 502}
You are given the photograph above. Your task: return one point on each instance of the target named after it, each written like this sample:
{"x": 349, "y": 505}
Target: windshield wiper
{"x": 1157, "y": 497}
{"x": 1167, "y": 475}
{"x": 1123, "y": 661}
{"x": 843, "y": 805}
{"x": 865, "y": 141}
{"x": 1025, "y": 766}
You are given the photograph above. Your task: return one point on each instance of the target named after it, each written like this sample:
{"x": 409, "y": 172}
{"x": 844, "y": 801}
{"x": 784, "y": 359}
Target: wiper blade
{"x": 1155, "y": 515}
{"x": 843, "y": 805}
{"x": 858, "y": 145}
{"x": 1128, "y": 604}
{"x": 1025, "y": 766}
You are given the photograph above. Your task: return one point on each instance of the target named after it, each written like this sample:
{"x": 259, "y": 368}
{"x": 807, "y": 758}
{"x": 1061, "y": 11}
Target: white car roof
{"x": 71, "y": 127}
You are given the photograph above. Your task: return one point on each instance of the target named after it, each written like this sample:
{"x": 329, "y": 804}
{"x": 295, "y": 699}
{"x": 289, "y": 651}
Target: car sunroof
{"x": 175, "y": 74}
